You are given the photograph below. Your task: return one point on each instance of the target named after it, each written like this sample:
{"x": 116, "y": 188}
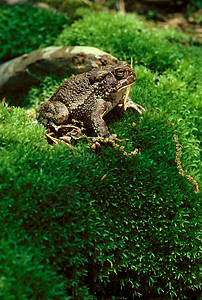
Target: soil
{"x": 174, "y": 16}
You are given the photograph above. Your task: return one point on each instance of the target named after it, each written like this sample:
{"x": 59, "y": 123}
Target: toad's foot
{"x": 69, "y": 130}
{"x": 131, "y": 105}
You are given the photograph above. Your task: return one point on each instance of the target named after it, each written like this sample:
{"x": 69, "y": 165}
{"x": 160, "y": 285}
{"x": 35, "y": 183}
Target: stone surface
{"x": 29, "y": 69}
{"x": 15, "y": 2}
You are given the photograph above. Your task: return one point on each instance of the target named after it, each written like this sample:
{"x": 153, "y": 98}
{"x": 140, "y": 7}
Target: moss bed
{"x": 76, "y": 224}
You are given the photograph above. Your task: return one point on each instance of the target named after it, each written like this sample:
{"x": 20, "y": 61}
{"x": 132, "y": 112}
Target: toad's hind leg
{"x": 52, "y": 114}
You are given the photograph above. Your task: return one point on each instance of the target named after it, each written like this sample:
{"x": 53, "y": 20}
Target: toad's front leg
{"x": 99, "y": 125}
{"x": 130, "y": 104}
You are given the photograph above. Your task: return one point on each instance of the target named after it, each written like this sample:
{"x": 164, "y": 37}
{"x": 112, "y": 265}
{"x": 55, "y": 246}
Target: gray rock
{"x": 14, "y": 2}
{"x": 29, "y": 69}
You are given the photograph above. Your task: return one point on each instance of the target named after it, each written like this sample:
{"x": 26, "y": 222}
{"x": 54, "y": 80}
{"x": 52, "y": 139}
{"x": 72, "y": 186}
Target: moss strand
{"x": 178, "y": 155}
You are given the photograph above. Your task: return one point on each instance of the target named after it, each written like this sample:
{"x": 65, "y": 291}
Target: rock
{"x": 29, "y": 69}
{"x": 15, "y": 2}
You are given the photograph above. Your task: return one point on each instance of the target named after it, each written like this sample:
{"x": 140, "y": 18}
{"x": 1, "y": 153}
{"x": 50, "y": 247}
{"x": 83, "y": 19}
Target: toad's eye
{"x": 119, "y": 74}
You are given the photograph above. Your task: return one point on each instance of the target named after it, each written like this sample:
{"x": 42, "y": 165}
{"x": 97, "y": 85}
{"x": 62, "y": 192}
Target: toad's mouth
{"x": 125, "y": 86}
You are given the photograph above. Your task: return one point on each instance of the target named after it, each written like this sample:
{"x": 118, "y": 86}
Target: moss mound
{"x": 85, "y": 225}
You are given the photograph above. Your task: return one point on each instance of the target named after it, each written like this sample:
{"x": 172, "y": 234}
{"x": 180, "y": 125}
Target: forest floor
{"x": 190, "y": 25}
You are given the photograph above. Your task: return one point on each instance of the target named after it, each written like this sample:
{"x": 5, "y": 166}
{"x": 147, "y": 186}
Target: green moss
{"x": 67, "y": 6}
{"x": 126, "y": 37}
{"x": 24, "y": 273}
{"x": 30, "y": 29}
{"x": 142, "y": 218}
{"x": 132, "y": 235}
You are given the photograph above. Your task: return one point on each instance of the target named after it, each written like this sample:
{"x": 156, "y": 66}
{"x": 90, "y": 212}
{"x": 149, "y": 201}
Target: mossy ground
{"x": 30, "y": 29}
{"x": 67, "y": 233}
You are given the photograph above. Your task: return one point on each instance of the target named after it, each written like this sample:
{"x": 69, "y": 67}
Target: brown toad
{"x": 89, "y": 97}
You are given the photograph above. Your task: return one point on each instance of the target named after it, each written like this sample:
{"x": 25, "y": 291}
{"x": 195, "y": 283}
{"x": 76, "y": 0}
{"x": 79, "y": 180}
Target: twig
{"x": 122, "y": 7}
{"x": 70, "y": 146}
{"x": 115, "y": 145}
{"x": 128, "y": 88}
{"x": 178, "y": 155}
{"x": 3, "y": 101}
{"x": 56, "y": 141}
{"x": 87, "y": 138}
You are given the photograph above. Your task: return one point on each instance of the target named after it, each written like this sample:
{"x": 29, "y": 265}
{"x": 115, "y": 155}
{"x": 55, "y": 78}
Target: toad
{"x": 88, "y": 97}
